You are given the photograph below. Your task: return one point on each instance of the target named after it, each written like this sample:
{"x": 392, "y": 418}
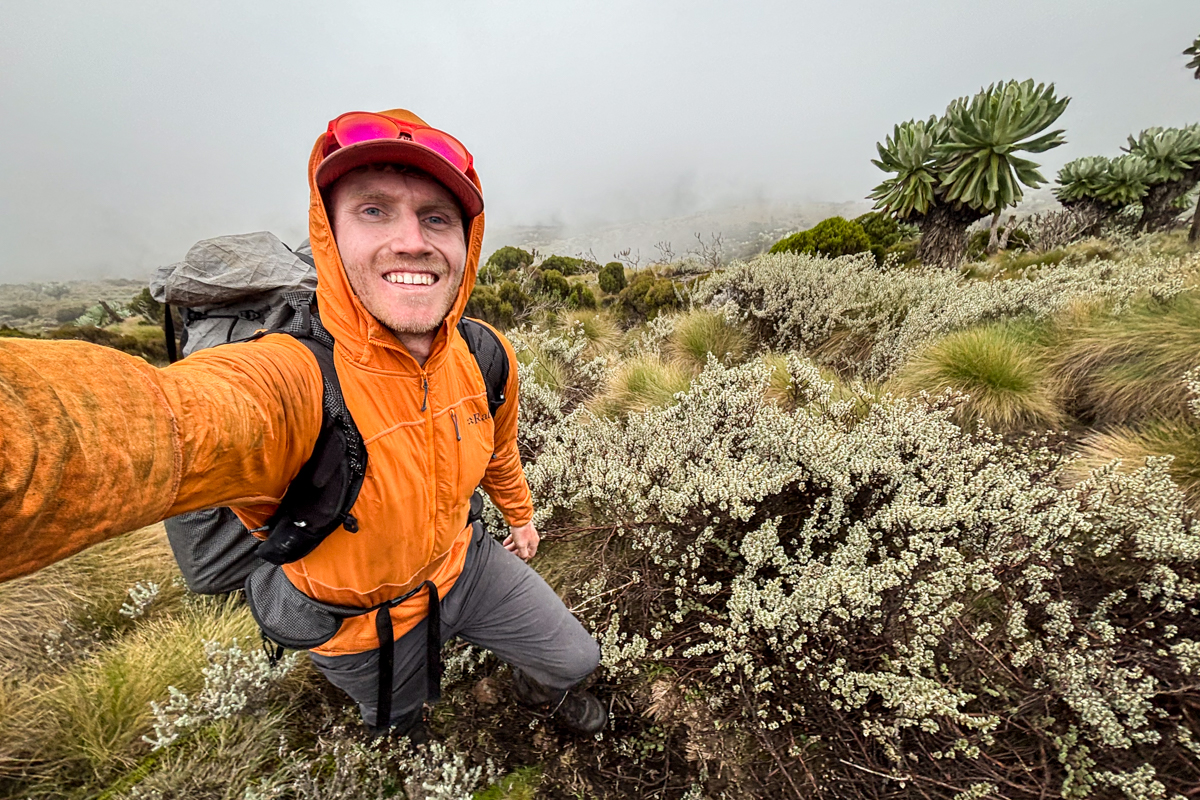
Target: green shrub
{"x": 552, "y": 283}
{"x": 569, "y": 266}
{"x": 612, "y": 277}
{"x": 7, "y": 332}
{"x": 19, "y": 311}
{"x": 145, "y": 305}
{"x": 977, "y": 242}
{"x": 69, "y": 314}
{"x": 501, "y": 305}
{"x": 903, "y": 251}
{"x": 646, "y": 296}
{"x": 832, "y": 237}
{"x": 882, "y": 230}
{"x": 508, "y": 258}
{"x": 580, "y": 296}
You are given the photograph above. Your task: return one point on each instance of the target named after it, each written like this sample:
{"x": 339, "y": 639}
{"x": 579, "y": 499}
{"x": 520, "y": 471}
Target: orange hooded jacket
{"x": 95, "y": 443}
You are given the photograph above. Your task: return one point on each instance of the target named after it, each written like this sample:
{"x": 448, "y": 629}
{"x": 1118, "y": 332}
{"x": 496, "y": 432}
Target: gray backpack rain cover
{"x": 227, "y": 289}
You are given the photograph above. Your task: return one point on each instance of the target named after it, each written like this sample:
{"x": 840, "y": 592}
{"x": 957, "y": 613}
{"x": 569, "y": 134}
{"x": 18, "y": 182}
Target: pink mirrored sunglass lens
{"x": 364, "y": 127}
{"x": 444, "y": 146}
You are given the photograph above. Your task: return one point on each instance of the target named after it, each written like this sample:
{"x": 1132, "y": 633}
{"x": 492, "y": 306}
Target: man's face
{"x": 402, "y": 243}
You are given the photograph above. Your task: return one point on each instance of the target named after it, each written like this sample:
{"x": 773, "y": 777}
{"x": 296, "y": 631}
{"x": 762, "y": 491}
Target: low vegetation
{"x": 843, "y": 529}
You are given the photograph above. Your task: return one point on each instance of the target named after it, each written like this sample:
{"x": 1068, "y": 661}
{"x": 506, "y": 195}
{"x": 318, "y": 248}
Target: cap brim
{"x": 401, "y": 151}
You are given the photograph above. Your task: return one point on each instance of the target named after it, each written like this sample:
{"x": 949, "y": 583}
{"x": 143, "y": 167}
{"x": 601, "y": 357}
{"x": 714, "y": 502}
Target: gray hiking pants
{"x": 499, "y": 603}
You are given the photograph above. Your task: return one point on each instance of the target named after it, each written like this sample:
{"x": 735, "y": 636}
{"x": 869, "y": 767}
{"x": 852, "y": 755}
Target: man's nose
{"x": 408, "y": 237}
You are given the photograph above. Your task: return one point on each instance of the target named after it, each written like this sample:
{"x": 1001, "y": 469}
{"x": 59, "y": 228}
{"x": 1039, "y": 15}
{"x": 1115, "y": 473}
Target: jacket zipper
{"x": 425, "y": 392}
{"x": 454, "y": 419}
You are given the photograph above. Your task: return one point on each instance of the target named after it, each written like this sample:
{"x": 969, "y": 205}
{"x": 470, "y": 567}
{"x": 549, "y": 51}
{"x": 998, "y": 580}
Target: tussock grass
{"x": 83, "y": 593}
{"x": 546, "y": 369}
{"x": 1000, "y": 366}
{"x": 86, "y": 723}
{"x": 602, "y": 331}
{"x": 1122, "y": 368}
{"x": 1163, "y": 437}
{"x": 782, "y": 389}
{"x": 700, "y": 332}
{"x": 639, "y": 383}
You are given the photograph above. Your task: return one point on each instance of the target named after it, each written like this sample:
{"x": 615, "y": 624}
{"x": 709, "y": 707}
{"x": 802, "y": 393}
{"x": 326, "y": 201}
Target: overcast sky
{"x": 129, "y": 130}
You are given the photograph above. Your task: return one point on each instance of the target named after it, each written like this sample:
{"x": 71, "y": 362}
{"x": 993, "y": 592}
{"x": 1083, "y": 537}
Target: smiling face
{"x": 402, "y": 243}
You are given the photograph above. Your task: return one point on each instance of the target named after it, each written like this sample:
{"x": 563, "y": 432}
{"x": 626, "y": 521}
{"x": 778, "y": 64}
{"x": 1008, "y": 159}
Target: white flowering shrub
{"x": 141, "y": 595}
{"x": 884, "y": 314}
{"x": 911, "y": 601}
{"x": 236, "y": 681}
{"x": 342, "y": 768}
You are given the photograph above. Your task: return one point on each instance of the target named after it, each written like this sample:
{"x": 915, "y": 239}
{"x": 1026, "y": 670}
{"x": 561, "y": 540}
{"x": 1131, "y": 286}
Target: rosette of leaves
{"x": 982, "y": 169}
{"x": 1079, "y": 180}
{"x": 1194, "y": 52}
{"x": 1102, "y": 186}
{"x": 1173, "y": 156}
{"x": 909, "y": 152}
{"x": 956, "y": 170}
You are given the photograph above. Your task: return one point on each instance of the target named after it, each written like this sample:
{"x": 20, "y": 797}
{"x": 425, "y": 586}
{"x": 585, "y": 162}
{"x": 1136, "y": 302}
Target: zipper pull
{"x": 425, "y": 396}
{"x": 454, "y": 419}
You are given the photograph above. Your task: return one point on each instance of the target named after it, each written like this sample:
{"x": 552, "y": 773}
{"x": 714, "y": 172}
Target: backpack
{"x": 237, "y": 288}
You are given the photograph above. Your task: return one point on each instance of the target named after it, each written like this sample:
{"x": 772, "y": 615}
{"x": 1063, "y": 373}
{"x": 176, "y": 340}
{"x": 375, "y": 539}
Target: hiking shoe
{"x": 575, "y": 709}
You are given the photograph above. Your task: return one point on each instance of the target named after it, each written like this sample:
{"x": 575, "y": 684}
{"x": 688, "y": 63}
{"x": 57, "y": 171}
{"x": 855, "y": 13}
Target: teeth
{"x": 416, "y": 278}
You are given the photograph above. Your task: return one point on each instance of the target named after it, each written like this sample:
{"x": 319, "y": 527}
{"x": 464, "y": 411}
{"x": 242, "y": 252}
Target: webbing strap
{"x": 433, "y": 653}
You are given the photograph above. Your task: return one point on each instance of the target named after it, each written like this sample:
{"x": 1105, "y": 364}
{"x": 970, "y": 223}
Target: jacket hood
{"x": 364, "y": 339}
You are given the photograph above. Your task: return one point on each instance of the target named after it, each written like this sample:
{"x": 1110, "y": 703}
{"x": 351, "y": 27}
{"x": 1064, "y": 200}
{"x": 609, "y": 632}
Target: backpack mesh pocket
{"x": 287, "y": 615}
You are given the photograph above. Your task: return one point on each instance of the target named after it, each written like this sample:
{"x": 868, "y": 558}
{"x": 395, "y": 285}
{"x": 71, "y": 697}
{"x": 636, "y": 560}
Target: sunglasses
{"x": 363, "y": 126}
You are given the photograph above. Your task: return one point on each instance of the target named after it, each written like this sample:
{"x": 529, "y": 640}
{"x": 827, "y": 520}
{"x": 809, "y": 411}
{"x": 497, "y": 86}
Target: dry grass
{"x": 85, "y": 724}
{"x": 1118, "y": 369}
{"x": 82, "y": 593}
{"x": 640, "y": 383}
{"x": 602, "y": 331}
{"x": 700, "y": 332}
{"x": 1170, "y": 437}
{"x": 545, "y": 369}
{"x": 1000, "y": 366}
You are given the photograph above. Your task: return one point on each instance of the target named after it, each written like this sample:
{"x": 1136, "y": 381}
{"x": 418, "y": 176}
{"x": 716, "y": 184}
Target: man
{"x": 96, "y": 443}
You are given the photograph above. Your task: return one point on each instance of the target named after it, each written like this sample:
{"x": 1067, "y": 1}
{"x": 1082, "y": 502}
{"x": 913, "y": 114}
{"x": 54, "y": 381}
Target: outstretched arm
{"x": 95, "y": 443}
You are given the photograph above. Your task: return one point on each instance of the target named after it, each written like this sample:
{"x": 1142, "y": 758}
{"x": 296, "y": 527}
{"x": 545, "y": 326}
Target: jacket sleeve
{"x": 95, "y": 443}
{"x": 504, "y": 480}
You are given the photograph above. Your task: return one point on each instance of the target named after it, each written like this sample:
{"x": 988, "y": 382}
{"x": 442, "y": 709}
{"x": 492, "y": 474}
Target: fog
{"x": 130, "y": 130}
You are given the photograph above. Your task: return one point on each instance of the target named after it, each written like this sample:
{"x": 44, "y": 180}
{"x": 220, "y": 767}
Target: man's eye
{"x": 438, "y": 219}
{"x": 372, "y": 211}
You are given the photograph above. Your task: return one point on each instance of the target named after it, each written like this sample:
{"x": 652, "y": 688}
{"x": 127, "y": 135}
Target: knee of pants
{"x": 582, "y": 660}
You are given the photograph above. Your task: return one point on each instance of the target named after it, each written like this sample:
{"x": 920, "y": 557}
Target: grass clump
{"x": 77, "y": 603}
{"x": 103, "y": 707}
{"x": 700, "y": 332}
{"x": 1130, "y": 366}
{"x": 1000, "y": 366}
{"x": 1132, "y": 446}
{"x": 602, "y": 332}
{"x": 640, "y": 383}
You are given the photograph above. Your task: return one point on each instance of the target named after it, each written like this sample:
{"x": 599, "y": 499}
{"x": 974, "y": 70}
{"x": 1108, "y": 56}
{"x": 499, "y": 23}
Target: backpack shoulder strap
{"x": 319, "y": 499}
{"x": 491, "y": 357}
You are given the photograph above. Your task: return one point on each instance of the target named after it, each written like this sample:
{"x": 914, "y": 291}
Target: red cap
{"x": 408, "y": 153}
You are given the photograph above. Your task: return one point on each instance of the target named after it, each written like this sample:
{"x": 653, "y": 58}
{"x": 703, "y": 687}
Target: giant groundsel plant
{"x": 952, "y": 171}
